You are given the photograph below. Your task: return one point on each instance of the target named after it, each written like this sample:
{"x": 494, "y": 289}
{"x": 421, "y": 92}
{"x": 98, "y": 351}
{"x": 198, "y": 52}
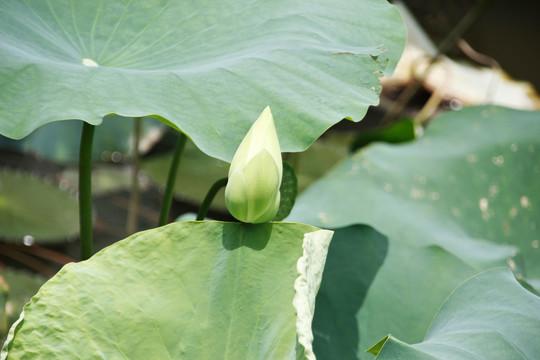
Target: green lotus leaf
{"x": 207, "y": 67}
{"x": 458, "y": 201}
{"x": 474, "y": 175}
{"x": 189, "y": 290}
{"x": 375, "y": 285}
{"x": 288, "y": 191}
{"x": 491, "y": 316}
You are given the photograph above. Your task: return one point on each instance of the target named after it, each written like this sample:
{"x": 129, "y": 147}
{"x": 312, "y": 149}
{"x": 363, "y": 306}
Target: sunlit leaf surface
{"x": 190, "y": 290}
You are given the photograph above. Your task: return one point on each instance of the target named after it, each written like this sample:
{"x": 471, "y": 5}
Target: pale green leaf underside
{"x": 491, "y": 316}
{"x": 208, "y": 67}
{"x": 191, "y": 290}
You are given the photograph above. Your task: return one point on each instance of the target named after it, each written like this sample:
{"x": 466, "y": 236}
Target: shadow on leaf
{"x": 254, "y": 236}
{"x": 355, "y": 255}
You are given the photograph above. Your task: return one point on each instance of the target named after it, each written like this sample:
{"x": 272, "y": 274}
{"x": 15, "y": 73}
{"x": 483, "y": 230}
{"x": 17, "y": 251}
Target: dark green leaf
{"x": 354, "y": 258}
{"x": 398, "y": 132}
{"x": 288, "y": 190}
{"x": 373, "y": 286}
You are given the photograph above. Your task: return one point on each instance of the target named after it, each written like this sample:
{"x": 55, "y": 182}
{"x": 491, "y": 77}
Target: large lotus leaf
{"x": 29, "y": 206}
{"x": 373, "y": 286}
{"x": 491, "y": 316}
{"x": 59, "y": 141}
{"x": 191, "y": 290}
{"x": 426, "y": 197}
{"x": 474, "y": 175}
{"x": 206, "y": 67}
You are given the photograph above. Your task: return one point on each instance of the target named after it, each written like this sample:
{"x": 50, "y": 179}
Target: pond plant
{"x": 427, "y": 249}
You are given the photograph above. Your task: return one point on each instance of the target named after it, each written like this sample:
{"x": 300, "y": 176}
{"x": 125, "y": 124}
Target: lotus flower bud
{"x": 252, "y": 192}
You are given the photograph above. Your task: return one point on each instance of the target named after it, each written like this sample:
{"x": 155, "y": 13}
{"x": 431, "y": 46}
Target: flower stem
{"x": 131, "y": 225}
{"x": 169, "y": 188}
{"x": 85, "y": 190}
{"x": 209, "y": 197}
